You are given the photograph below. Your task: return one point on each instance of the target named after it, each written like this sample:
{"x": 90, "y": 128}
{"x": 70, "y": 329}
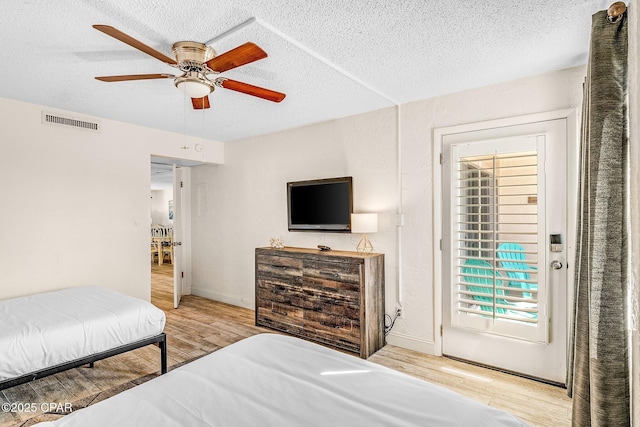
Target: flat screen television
{"x": 320, "y": 205}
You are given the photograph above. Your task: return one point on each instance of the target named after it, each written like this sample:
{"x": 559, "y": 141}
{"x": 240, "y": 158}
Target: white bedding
{"x": 280, "y": 381}
{"x": 47, "y": 329}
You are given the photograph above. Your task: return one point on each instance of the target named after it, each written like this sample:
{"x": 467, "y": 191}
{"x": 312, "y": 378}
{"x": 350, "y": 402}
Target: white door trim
{"x": 571, "y": 115}
{"x": 182, "y": 226}
{"x": 178, "y": 270}
{"x": 186, "y": 230}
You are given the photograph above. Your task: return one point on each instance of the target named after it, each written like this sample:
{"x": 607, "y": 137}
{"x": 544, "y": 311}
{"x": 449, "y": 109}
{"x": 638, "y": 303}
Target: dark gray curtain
{"x": 598, "y": 374}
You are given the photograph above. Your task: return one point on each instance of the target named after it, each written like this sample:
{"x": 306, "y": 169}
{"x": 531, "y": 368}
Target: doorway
{"x": 505, "y": 244}
{"x": 162, "y": 220}
{"x": 171, "y": 218}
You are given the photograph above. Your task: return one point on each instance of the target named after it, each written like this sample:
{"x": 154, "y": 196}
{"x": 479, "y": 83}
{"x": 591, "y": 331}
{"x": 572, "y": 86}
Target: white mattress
{"x": 47, "y": 329}
{"x": 280, "y": 381}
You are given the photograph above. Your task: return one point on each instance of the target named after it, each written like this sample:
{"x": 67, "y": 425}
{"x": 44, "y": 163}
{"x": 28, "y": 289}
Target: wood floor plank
{"x": 51, "y": 388}
{"x": 7, "y": 418}
{"x": 200, "y": 326}
{"x": 77, "y": 384}
{"x": 536, "y": 403}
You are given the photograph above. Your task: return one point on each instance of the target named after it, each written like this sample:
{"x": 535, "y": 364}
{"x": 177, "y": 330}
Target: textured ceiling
{"x": 332, "y": 58}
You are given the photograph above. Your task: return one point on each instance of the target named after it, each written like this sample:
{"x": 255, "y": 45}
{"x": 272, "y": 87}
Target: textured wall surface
{"x": 75, "y": 204}
{"x": 160, "y": 207}
{"x": 246, "y": 201}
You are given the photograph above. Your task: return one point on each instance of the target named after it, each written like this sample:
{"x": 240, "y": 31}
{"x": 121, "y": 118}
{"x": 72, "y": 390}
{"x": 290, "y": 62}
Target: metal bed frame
{"x": 160, "y": 340}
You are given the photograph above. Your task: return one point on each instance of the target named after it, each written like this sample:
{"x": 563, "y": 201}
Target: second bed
{"x": 276, "y": 380}
{"x": 50, "y": 332}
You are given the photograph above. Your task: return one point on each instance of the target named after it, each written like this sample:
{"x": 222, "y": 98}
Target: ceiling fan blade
{"x": 117, "y": 34}
{"x": 200, "y": 103}
{"x": 242, "y": 55}
{"x": 260, "y": 92}
{"x": 134, "y": 77}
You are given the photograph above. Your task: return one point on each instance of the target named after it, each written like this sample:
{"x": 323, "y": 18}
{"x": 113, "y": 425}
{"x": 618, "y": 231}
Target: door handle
{"x": 556, "y": 264}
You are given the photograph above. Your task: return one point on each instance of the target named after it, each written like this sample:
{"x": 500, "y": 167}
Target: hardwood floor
{"x": 200, "y": 326}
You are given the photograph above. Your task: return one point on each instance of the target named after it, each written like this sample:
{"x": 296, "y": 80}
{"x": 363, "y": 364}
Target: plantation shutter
{"x": 498, "y": 238}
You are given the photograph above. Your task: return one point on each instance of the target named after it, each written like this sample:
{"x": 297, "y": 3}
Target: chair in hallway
{"x": 155, "y": 252}
{"x": 166, "y": 247}
{"x": 162, "y": 242}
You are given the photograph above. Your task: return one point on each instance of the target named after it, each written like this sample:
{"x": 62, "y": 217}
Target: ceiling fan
{"x": 200, "y": 67}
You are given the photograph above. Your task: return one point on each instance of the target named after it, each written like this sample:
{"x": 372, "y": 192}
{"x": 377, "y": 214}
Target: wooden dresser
{"x": 333, "y": 297}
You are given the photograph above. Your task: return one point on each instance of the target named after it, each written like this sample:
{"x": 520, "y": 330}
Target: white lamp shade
{"x": 364, "y": 223}
{"x": 194, "y": 89}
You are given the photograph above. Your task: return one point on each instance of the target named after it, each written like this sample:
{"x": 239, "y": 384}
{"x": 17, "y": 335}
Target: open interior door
{"x": 178, "y": 270}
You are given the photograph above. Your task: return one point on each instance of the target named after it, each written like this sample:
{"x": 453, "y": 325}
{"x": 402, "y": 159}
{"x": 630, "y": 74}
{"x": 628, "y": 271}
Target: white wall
{"x": 160, "y": 206}
{"x": 246, "y": 198}
{"x": 75, "y": 204}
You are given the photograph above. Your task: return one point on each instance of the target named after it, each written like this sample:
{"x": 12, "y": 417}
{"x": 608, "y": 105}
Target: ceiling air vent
{"x": 54, "y": 119}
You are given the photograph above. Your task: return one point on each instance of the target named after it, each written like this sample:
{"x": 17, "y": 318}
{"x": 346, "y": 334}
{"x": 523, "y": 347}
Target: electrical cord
{"x": 388, "y": 327}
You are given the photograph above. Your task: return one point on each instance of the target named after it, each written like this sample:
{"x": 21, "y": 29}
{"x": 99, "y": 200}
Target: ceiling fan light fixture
{"x": 194, "y": 87}
{"x": 201, "y": 67}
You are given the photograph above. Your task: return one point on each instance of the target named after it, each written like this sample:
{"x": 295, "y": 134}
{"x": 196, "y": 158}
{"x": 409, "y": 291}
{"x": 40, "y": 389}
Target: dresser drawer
{"x": 280, "y": 316}
{"x": 285, "y": 268}
{"x": 333, "y": 276}
{"x": 280, "y": 292}
{"x": 347, "y": 306}
{"x": 333, "y": 330}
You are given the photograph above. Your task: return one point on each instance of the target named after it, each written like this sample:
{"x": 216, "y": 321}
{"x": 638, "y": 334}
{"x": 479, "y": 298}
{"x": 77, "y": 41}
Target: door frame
{"x": 571, "y": 116}
{"x": 185, "y": 218}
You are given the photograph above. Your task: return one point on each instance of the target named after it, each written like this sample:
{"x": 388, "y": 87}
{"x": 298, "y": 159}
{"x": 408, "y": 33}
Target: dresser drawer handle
{"x": 281, "y": 267}
{"x": 324, "y": 273}
{"x": 282, "y": 313}
{"x": 329, "y": 325}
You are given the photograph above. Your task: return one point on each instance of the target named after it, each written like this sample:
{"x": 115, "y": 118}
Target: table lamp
{"x": 364, "y": 223}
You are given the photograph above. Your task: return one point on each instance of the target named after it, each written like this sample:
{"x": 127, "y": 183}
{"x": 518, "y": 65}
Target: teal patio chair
{"x": 513, "y": 259}
{"x": 473, "y": 268}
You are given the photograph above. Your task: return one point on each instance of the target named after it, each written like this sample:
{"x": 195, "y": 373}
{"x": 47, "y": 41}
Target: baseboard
{"x": 205, "y": 293}
{"x": 411, "y": 343}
